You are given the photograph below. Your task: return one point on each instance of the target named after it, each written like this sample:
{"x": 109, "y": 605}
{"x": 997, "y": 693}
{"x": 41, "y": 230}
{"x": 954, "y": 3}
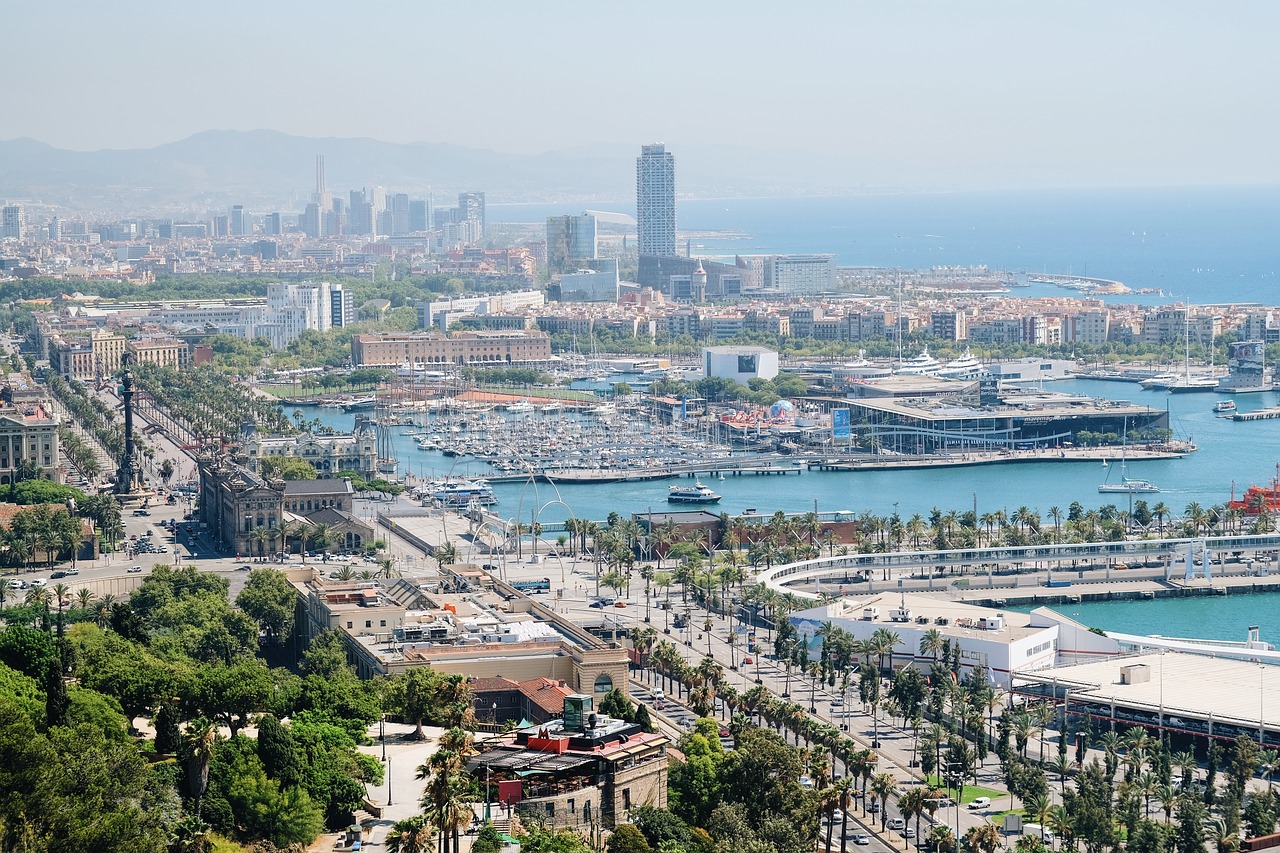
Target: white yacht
{"x": 964, "y": 367}
{"x": 922, "y": 365}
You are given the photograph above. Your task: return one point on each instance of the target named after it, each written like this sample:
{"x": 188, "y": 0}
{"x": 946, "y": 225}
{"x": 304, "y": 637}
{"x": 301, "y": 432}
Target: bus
{"x": 533, "y": 586}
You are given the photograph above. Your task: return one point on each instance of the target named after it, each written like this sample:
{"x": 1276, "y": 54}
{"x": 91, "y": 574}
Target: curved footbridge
{"x": 1176, "y": 560}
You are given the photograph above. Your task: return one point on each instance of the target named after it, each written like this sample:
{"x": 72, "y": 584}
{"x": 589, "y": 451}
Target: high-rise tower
{"x": 656, "y": 200}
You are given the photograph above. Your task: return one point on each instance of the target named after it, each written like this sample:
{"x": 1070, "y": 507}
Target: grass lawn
{"x": 971, "y": 792}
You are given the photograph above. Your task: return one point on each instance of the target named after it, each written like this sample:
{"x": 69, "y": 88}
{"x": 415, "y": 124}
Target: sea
{"x": 1204, "y": 245}
{"x": 1197, "y": 245}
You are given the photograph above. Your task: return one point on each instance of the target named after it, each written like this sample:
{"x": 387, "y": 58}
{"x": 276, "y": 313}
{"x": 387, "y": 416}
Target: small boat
{"x": 1224, "y": 406}
{"x": 359, "y": 403}
{"x": 1128, "y": 486}
{"x": 520, "y": 406}
{"x": 695, "y": 494}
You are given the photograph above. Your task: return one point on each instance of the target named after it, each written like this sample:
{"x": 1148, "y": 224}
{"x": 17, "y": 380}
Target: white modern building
{"x": 292, "y": 308}
{"x": 439, "y": 313}
{"x": 797, "y": 274}
{"x": 740, "y": 363}
{"x": 1002, "y": 642}
{"x": 13, "y": 221}
{"x": 656, "y": 200}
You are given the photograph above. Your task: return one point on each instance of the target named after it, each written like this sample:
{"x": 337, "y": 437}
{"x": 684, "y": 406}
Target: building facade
{"x": 460, "y": 348}
{"x": 656, "y": 201}
{"x": 570, "y": 239}
{"x": 28, "y": 434}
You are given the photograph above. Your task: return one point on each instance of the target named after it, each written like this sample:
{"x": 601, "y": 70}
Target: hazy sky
{"x": 1093, "y": 92}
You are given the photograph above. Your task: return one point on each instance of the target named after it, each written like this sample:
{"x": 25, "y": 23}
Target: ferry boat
{"x": 1224, "y": 406}
{"x": 457, "y": 493}
{"x": 695, "y": 494}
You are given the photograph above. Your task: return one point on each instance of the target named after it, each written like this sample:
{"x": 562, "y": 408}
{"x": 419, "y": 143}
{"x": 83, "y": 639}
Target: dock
{"x": 1260, "y": 415}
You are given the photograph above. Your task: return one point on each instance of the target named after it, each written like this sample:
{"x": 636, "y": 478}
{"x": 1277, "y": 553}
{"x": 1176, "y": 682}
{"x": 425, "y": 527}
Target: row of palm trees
{"x": 91, "y": 413}
{"x": 41, "y": 528}
{"x": 59, "y": 595}
{"x": 263, "y": 538}
{"x": 205, "y": 404}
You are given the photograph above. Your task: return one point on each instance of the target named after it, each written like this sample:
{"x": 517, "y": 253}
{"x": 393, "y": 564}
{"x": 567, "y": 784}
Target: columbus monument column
{"x": 129, "y": 474}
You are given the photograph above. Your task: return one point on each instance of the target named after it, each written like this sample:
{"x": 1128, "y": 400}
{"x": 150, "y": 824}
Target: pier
{"x": 1260, "y": 415}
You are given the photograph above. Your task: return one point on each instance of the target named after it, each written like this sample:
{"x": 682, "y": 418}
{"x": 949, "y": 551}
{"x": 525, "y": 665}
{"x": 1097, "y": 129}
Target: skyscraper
{"x": 570, "y": 239}
{"x": 471, "y": 209}
{"x": 239, "y": 224}
{"x": 13, "y": 221}
{"x": 656, "y": 200}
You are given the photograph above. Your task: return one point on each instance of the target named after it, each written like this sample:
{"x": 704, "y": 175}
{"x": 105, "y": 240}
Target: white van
{"x": 1037, "y": 831}
{"x": 979, "y": 803}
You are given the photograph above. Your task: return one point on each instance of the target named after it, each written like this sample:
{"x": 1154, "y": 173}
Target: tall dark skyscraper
{"x": 656, "y": 200}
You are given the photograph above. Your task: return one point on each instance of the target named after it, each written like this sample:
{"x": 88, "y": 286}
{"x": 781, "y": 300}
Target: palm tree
{"x": 942, "y": 838}
{"x": 911, "y": 805}
{"x": 258, "y": 536}
{"x": 411, "y": 835}
{"x": 984, "y": 838}
{"x": 61, "y": 594}
{"x": 931, "y": 643}
{"x": 84, "y": 597}
{"x": 102, "y": 611}
{"x": 199, "y": 740}
{"x": 883, "y": 785}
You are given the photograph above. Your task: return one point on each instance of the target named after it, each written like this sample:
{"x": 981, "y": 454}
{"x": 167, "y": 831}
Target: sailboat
{"x": 1126, "y": 485}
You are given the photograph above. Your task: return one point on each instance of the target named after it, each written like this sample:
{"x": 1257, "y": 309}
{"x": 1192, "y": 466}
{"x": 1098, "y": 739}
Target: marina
{"x": 881, "y": 484}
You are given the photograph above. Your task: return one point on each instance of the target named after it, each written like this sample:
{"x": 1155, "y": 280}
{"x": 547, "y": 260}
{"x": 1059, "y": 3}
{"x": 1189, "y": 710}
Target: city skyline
{"x": 986, "y": 95}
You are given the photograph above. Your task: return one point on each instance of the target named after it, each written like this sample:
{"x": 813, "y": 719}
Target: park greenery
{"x": 187, "y": 718}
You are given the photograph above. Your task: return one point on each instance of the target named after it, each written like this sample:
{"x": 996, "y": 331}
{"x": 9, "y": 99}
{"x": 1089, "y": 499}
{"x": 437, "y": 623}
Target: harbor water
{"x": 1229, "y": 453}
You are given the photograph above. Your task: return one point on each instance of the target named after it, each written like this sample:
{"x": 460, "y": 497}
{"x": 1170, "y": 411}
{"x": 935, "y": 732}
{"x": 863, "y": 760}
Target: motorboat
{"x": 695, "y": 494}
{"x": 1224, "y": 407}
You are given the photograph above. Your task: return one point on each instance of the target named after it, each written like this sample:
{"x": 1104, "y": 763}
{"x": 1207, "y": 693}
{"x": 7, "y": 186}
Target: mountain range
{"x": 268, "y": 170}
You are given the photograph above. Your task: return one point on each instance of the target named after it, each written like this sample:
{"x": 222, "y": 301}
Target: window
{"x": 551, "y": 809}
{"x": 348, "y": 624}
{"x": 626, "y": 799}
{"x": 603, "y": 684}
{"x": 368, "y": 623}
{"x": 382, "y": 623}
{"x": 571, "y": 808}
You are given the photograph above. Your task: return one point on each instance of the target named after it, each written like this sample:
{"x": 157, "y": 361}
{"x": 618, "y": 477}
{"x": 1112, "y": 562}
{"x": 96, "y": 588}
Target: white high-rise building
{"x": 800, "y": 273}
{"x": 294, "y": 308}
{"x": 13, "y": 221}
{"x": 656, "y": 200}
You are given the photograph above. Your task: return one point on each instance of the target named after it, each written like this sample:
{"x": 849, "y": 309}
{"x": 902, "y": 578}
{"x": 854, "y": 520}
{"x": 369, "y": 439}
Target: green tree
{"x": 269, "y": 599}
{"x": 627, "y": 839}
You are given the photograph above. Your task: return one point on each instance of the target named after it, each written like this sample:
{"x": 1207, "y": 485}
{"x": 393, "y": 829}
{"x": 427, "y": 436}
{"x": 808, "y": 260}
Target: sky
{"x": 1056, "y": 92}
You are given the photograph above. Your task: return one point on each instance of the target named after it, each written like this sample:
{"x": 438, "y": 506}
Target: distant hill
{"x": 265, "y": 169}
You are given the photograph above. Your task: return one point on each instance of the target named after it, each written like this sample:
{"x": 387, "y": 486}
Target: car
{"x": 58, "y": 574}
{"x": 861, "y": 839}
{"x": 897, "y": 823}
{"x": 142, "y": 512}
{"x": 619, "y": 604}
{"x": 244, "y": 568}
{"x": 163, "y": 549}
{"x": 134, "y": 570}
{"x": 39, "y": 582}
{"x": 598, "y": 603}
{"x": 747, "y": 660}
{"x": 725, "y": 733}
{"x": 17, "y": 584}
{"x": 658, "y": 695}
{"x": 837, "y": 702}
{"x": 908, "y": 833}
{"x": 874, "y": 807}
{"x": 979, "y": 803}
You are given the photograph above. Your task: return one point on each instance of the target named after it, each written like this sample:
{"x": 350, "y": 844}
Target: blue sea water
{"x": 1201, "y": 245}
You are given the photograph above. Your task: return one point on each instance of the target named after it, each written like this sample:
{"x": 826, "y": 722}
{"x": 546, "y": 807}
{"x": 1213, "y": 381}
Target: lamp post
{"x": 382, "y": 736}
{"x": 388, "y": 781}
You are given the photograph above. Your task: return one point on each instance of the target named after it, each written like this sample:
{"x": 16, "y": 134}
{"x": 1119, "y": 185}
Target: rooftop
{"x": 950, "y": 618}
{"x": 1191, "y": 686}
